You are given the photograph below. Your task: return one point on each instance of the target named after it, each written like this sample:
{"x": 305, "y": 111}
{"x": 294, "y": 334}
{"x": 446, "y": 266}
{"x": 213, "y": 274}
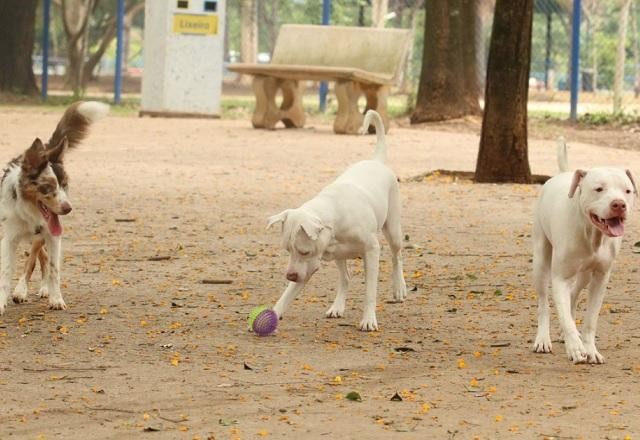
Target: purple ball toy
{"x": 265, "y": 323}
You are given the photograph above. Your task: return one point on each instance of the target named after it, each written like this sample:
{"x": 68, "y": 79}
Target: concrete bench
{"x": 361, "y": 61}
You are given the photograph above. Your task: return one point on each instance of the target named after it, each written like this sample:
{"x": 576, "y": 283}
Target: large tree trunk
{"x": 17, "y": 32}
{"x": 618, "y": 79}
{"x": 469, "y": 40}
{"x": 503, "y": 155}
{"x": 441, "y": 91}
{"x": 75, "y": 18}
{"x": 379, "y": 10}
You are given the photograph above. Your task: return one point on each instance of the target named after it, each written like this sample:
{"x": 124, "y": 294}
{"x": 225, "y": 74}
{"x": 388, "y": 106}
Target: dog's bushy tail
{"x": 75, "y": 122}
{"x": 563, "y": 160}
{"x": 381, "y": 145}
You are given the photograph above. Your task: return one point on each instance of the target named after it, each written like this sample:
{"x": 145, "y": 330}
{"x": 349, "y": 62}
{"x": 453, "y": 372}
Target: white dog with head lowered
{"x": 342, "y": 222}
{"x": 577, "y": 231}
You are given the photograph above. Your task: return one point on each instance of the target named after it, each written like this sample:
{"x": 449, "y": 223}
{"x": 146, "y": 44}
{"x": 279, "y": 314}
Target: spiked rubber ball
{"x": 265, "y": 322}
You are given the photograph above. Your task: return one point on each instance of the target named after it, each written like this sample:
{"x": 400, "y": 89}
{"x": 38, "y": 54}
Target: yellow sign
{"x": 195, "y": 24}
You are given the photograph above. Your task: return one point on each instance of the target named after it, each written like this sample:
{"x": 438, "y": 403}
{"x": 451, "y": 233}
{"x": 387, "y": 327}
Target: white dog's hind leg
{"x": 541, "y": 277}
{"x": 337, "y": 308}
{"x": 393, "y": 233}
{"x": 582, "y": 280}
{"x": 371, "y": 269}
{"x": 594, "y": 303}
{"x": 562, "y": 298}
{"x": 289, "y": 294}
{"x": 8, "y": 248}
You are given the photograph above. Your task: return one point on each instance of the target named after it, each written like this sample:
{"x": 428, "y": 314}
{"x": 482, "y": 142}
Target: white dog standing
{"x": 577, "y": 231}
{"x": 342, "y": 222}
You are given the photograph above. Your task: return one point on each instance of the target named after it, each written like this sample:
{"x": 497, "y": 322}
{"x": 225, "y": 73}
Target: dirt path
{"x": 146, "y": 350}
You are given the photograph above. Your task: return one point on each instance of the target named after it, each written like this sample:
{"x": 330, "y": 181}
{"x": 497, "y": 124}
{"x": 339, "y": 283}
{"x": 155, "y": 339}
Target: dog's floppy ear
{"x": 34, "y": 157}
{"x": 633, "y": 182}
{"x": 577, "y": 177}
{"x": 312, "y": 227}
{"x": 56, "y": 154}
{"x": 278, "y": 218}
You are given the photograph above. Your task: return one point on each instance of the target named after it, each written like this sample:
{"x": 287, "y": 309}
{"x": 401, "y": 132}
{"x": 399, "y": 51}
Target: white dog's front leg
{"x": 55, "y": 295}
{"x": 371, "y": 267}
{"x": 594, "y": 303}
{"x": 8, "y": 248}
{"x": 337, "y": 308}
{"x": 562, "y": 297}
{"x": 290, "y": 293}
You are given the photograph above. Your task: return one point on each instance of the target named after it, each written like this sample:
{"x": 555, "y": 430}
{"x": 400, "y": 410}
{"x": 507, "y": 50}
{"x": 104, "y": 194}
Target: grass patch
{"x": 600, "y": 119}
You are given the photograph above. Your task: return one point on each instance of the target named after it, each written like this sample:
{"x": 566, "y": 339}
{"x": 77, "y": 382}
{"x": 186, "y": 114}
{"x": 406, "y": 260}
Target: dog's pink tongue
{"x": 615, "y": 226}
{"x": 55, "y": 227}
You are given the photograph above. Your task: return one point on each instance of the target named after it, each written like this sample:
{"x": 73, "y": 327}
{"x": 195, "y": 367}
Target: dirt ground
{"x": 146, "y": 350}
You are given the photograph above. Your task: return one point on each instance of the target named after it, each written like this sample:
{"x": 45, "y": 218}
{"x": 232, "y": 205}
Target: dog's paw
{"x": 278, "y": 311}
{"x": 593, "y": 355}
{"x": 542, "y": 344}
{"x": 335, "y": 311}
{"x": 43, "y": 292}
{"x": 3, "y": 301}
{"x": 20, "y": 292}
{"x": 57, "y": 304}
{"x": 369, "y": 323}
{"x": 575, "y": 350}
{"x": 400, "y": 292}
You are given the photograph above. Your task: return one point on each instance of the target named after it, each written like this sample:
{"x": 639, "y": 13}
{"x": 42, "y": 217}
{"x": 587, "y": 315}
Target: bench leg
{"x": 377, "y": 100}
{"x": 348, "y": 118}
{"x": 291, "y": 110}
{"x": 266, "y": 114}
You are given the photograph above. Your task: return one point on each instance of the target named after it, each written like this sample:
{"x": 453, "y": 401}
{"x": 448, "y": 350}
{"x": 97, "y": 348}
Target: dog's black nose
{"x": 65, "y": 208}
{"x": 292, "y": 276}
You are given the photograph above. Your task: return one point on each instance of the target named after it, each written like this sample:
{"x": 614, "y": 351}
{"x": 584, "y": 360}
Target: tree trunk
{"x": 268, "y": 16}
{"x": 406, "y": 86}
{"x": 17, "y": 32}
{"x": 75, "y": 18}
{"x": 441, "y": 93}
{"x": 618, "y": 79}
{"x": 130, "y": 12}
{"x": 469, "y": 12}
{"x": 503, "y": 155}
{"x": 592, "y": 13}
{"x": 636, "y": 50}
{"x": 379, "y": 10}
{"x": 248, "y": 35}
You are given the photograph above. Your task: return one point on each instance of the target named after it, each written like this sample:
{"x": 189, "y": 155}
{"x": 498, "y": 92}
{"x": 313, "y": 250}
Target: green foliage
{"x": 609, "y": 119}
{"x": 598, "y": 36}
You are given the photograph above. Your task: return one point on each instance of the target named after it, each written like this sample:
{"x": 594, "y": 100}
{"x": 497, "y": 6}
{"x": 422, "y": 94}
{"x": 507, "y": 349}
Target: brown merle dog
{"x": 33, "y": 196}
